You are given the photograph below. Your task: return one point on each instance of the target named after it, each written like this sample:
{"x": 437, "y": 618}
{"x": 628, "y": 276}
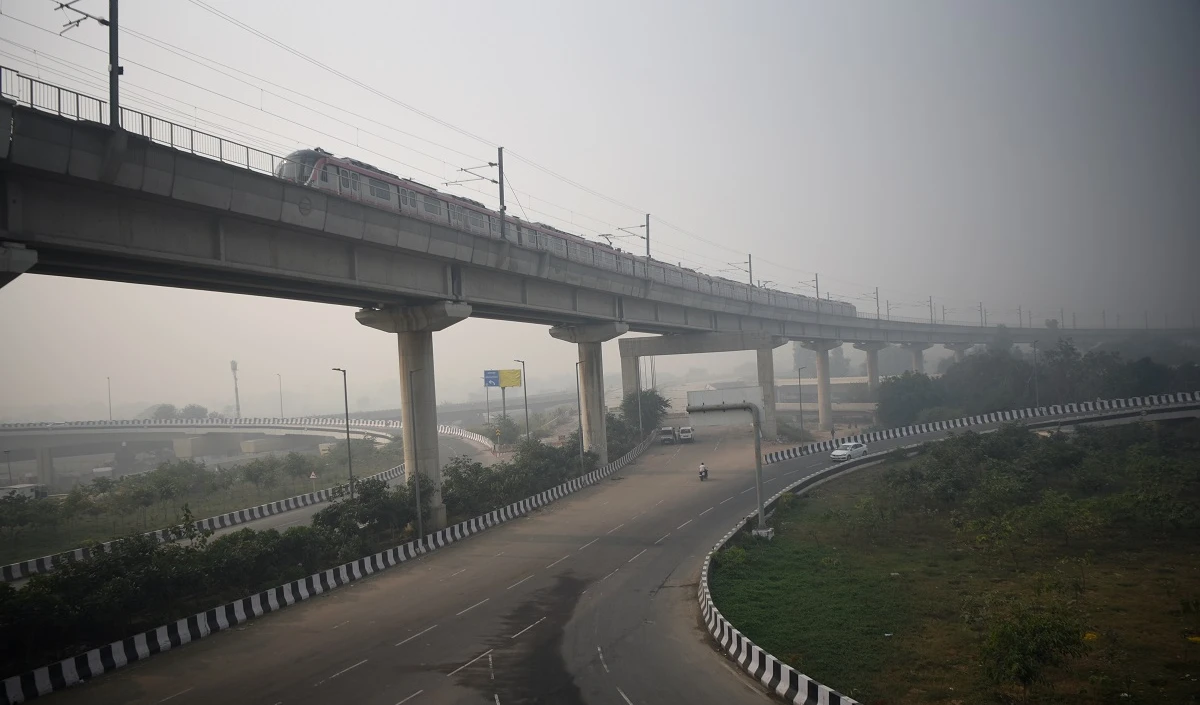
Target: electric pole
{"x": 981, "y": 324}
{"x": 877, "y": 304}
{"x": 237, "y": 400}
{"x": 500, "y": 164}
{"x": 750, "y": 267}
{"x": 647, "y": 236}
{"x": 114, "y": 64}
{"x": 931, "y": 309}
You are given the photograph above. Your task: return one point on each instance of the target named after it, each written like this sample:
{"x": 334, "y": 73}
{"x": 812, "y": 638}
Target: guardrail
{"x": 786, "y": 682}
{"x": 45, "y": 564}
{"x": 85, "y": 666}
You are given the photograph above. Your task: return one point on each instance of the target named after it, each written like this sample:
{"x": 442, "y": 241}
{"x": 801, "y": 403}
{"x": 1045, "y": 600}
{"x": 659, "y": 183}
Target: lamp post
{"x": 412, "y": 403}
{"x": 349, "y": 456}
{"x": 1037, "y": 399}
{"x": 525, "y": 391}
{"x": 8, "y": 461}
{"x": 109, "y": 381}
{"x": 280, "y": 394}
{"x": 800, "y": 395}
{"x": 579, "y": 404}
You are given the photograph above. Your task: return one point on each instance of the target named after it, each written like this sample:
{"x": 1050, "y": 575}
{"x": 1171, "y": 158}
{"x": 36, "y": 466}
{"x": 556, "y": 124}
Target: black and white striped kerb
{"x": 1090, "y": 407}
{"x": 57, "y": 676}
{"x": 783, "y": 680}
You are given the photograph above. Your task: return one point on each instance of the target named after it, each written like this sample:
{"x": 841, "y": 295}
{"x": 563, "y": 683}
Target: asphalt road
{"x": 589, "y": 600}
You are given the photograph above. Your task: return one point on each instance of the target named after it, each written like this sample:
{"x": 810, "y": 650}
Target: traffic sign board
{"x": 313, "y": 476}
{"x": 491, "y": 378}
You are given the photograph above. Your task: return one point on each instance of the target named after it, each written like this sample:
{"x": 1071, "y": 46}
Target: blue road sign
{"x": 491, "y": 378}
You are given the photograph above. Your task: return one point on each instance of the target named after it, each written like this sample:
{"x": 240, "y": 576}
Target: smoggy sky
{"x": 1019, "y": 153}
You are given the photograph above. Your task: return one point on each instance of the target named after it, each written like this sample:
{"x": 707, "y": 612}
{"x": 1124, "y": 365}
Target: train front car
{"x": 297, "y": 167}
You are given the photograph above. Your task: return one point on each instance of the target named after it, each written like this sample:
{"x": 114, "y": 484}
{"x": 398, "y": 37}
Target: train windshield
{"x": 298, "y": 166}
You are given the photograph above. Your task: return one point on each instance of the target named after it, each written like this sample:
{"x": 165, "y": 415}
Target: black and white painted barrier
{"x": 783, "y": 680}
{"x": 69, "y": 672}
{"x": 23, "y": 569}
{"x": 1090, "y": 407}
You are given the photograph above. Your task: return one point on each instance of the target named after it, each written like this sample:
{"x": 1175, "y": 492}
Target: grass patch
{"x": 858, "y": 559}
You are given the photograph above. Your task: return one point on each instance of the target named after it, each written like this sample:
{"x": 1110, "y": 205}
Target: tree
{"x": 1003, "y": 340}
{"x": 164, "y": 412}
{"x": 1023, "y": 644}
{"x": 653, "y": 407}
{"x": 902, "y": 398}
{"x": 193, "y": 411}
{"x": 505, "y": 430}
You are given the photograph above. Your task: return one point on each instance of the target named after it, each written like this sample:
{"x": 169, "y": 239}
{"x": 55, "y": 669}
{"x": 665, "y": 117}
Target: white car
{"x": 847, "y": 451}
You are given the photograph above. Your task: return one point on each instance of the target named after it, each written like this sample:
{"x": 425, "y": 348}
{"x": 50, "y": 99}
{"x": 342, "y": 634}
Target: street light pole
{"x": 525, "y": 390}
{"x": 109, "y": 381}
{"x": 8, "y": 461}
{"x": 1037, "y": 397}
{"x": 280, "y": 394}
{"x": 579, "y": 405}
{"x": 349, "y": 455}
{"x": 412, "y": 403}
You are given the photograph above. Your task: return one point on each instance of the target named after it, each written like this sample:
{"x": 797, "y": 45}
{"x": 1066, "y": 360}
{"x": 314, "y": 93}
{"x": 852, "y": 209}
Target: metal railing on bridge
{"x": 34, "y": 93}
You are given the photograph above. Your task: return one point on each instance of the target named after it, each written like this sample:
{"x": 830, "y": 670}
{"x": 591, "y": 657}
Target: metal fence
{"x": 34, "y": 93}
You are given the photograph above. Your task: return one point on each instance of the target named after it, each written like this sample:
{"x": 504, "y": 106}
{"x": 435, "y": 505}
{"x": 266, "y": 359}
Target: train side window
{"x": 380, "y": 189}
{"x": 325, "y": 173}
{"x": 345, "y": 174}
{"x": 355, "y": 180}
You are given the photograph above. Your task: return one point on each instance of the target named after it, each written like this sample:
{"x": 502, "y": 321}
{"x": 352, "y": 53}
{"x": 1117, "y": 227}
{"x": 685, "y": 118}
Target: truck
{"x": 687, "y": 435}
{"x": 666, "y": 435}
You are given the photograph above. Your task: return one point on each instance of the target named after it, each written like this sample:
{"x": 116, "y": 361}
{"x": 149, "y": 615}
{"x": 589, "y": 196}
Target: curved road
{"x": 589, "y": 600}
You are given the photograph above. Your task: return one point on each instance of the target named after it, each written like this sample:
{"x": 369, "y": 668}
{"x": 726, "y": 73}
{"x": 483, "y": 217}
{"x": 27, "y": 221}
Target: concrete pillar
{"x": 45, "y": 466}
{"x": 631, "y": 375}
{"x": 414, "y": 327}
{"x": 960, "y": 350}
{"x": 766, "y": 380}
{"x": 591, "y": 379}
{"x": 918, "y": 356}
{"x": 872, "y": 350}
{"x": 824, "y": 393}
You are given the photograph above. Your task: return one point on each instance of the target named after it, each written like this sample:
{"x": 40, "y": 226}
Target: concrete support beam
{"x": 15, "y": 260}
{"x": 631, "y": 375}
{"x": 766, "y": 380}
{"x": 700, "y": 343}
{"x": 918, "y": 355}
{"x": 824, "y": 394}
{"x": 872, "y": 350}
{"x": 960, "y": 350}
{"x": 414, "y": 327}
{"x": 45, "y": 466}
{"x": 591, "y": 379}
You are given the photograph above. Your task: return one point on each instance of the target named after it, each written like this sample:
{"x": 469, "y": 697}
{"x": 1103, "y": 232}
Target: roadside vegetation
{"x": 105, "y": 508}
{"x": 999, "y": 378}
{"x": 143, "y": 584}
{"x": 1011, "y": 567}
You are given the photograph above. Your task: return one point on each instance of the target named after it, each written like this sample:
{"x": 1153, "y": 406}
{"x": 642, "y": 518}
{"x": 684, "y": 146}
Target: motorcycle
{"x": 703, "y": 474}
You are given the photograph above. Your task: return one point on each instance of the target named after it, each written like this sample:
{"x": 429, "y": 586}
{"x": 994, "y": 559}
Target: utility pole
{"x": 647, "y": 236}
{"x": 280, "y": 394}
{"x": 579, "y": 406}
{"x": 1030, "y": 314}
{"x": 930, "y": 309}
{"x": 1037, "y": 397}
{"x": 525, "y": 390}
{"x": 817, "y": 282}
{"x": 943, "y": 314}
{"x": 877, "y": 304}
{"x": 500, "y": 164}
{"x": 237, "y": 399}
{"x": 346, "y": 399}
{"x": 981, "y": 323}
{"x": 1062, "y": 321}
{"x": 109, "y": 380}
{"x": 1020, "y": 317}
{"x": 114, "y": 63}
{"x": 750, "y": 267}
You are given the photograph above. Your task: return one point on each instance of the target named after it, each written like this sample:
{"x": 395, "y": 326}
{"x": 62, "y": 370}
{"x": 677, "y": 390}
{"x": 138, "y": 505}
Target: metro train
{"x": 358, "y": 181}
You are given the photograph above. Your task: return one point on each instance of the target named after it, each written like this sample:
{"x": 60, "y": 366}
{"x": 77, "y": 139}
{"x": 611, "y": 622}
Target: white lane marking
{"x": 635, "y": 516}
{"x": 605, "y": 502}
{"x": 606, "y": 533}
{"x": 689, "y": 521}
{"x": 602, "y": 662}
{"x": 635, "y": 557}
{"x": 531, "y": 626}
{"x": 414, "y": 636}
{"x": 497, "y": 696}
{"x": 499, "y": 554}
{"x": 402, "y": 701}
{"x": 791, "y": 472}
{"x": 607, "y": 576}
{"x": 289, "y": 523}
{"x": 661, "y": 540}
{"x": 725, "y": 500}
{"x": 706, "y": 511}
{"x": 169, "y": 697}
{"x": 560, "y": 560}
{"x": 492, "y": 672}
{"x": 473, "y": 607}
{"x": 718, "y": 445}
{"x": 626, "y": 697}
{"x": 341, "y": 672}
{"x": 457, "y": 572}
{"x": 770, "y": 479}
{"x": 338, "y": 625}
{"x": 658, "y": 502}
{"x": 589, "y": 543}
{"x": 510, "y": 587}
{"x": 747, "y": 490}
{"x": 468, "y": 663}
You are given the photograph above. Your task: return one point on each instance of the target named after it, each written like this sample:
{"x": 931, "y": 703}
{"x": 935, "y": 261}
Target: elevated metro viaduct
{"x": 81, "y": 199}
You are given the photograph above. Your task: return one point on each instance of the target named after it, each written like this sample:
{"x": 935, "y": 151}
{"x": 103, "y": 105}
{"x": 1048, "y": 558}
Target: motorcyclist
{"x": 703, "y": 471}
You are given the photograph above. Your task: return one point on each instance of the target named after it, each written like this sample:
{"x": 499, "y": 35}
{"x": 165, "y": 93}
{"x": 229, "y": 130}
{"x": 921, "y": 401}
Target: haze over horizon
{"x": 1020, "y": 154}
